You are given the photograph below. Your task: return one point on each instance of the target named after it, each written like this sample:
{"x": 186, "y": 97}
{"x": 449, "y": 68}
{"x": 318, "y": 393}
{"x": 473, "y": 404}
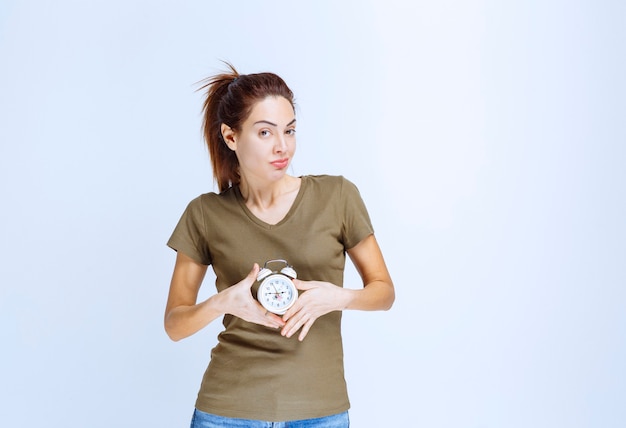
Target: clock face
{"x": 277, "y": 293}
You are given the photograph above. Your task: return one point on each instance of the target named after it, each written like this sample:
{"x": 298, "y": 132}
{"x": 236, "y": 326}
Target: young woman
{"x": 269, "y": 366}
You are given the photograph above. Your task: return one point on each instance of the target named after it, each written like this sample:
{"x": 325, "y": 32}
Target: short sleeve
{"x": 356, "y": 221}
{"x": 189, "y": 236}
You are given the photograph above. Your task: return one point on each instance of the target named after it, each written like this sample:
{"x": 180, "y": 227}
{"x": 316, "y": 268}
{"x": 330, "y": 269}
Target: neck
{"x": 264, "y": 195}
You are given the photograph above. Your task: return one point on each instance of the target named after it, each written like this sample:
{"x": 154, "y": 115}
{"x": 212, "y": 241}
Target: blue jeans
{"x": 206, "y": 420}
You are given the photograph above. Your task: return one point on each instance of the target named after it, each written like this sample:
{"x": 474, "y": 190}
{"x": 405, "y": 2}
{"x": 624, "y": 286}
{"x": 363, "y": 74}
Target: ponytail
{"x": 223, "y": 159}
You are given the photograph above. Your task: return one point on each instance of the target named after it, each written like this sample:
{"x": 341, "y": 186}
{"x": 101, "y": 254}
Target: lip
{"x": 280, "y": 163}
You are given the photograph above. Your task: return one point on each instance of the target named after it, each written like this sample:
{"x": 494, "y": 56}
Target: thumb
{"x": 252, "y": 275}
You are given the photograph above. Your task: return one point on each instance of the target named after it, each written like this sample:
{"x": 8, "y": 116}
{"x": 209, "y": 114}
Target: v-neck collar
{"x": 290, "y": 213}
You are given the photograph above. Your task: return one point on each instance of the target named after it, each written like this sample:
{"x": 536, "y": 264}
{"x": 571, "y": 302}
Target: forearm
{"x": 183, "y": 321}
{"x": 375, "y": 296}
{"x": 378, "y": 292}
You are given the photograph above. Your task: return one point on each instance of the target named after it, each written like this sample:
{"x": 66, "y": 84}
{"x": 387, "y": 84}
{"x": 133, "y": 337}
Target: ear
{"x": 229, "y": 137}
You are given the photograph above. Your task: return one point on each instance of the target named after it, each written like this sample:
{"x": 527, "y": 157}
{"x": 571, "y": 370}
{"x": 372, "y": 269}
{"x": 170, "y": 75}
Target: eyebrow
{"x": 273, "y": 124}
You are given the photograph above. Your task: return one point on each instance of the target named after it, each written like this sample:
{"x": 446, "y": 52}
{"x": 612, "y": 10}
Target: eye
{"x": 290, "y": 132}
{"x": 264, "y": 133}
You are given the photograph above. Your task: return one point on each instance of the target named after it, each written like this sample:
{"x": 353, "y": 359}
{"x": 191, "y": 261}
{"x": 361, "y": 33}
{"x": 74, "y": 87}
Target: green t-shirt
{"x": 254, "y": 372}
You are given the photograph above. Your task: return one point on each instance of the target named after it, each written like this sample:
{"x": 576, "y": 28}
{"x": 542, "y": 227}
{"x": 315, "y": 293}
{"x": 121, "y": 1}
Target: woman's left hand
{"x": 319, "y": 298}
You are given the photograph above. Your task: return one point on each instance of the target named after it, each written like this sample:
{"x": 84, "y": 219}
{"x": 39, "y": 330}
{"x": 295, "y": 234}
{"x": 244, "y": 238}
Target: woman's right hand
{"x": 184, "y": 316}
{"x": 237, "y": 300}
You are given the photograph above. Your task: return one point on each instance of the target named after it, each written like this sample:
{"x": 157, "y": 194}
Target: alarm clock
{"x": 276, "y": 291}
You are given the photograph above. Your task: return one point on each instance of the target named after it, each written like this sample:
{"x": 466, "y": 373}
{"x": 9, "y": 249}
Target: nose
{"x": 280, "y": 145}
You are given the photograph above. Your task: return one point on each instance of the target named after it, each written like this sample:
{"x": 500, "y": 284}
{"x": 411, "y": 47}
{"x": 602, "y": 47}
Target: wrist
{"x": 215, "y": 305}
{"x": 348, "y": 296}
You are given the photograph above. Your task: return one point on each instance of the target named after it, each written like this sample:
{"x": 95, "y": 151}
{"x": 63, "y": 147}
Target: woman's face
{"x": 267, "y": 140}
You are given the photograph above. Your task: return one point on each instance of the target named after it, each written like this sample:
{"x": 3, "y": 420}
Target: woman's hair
{"x": 230, "y": 97}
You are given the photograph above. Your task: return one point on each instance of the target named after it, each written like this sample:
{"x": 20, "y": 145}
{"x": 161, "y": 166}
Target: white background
{"x": 487, "y": 139}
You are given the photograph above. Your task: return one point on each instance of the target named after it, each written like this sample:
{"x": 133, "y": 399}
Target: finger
{"x": 273, "y": 320}
{"x": 295, "y": 309}
{"x": 302, "y": 285}
{"x": 290, "y": 312}
{"x": 305, "y": 330}
{"x": 287, "y": 331}
{"x": 252, "y": 275}
{"x": 292, "y": 327}
{"x": 271, "y": 324}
